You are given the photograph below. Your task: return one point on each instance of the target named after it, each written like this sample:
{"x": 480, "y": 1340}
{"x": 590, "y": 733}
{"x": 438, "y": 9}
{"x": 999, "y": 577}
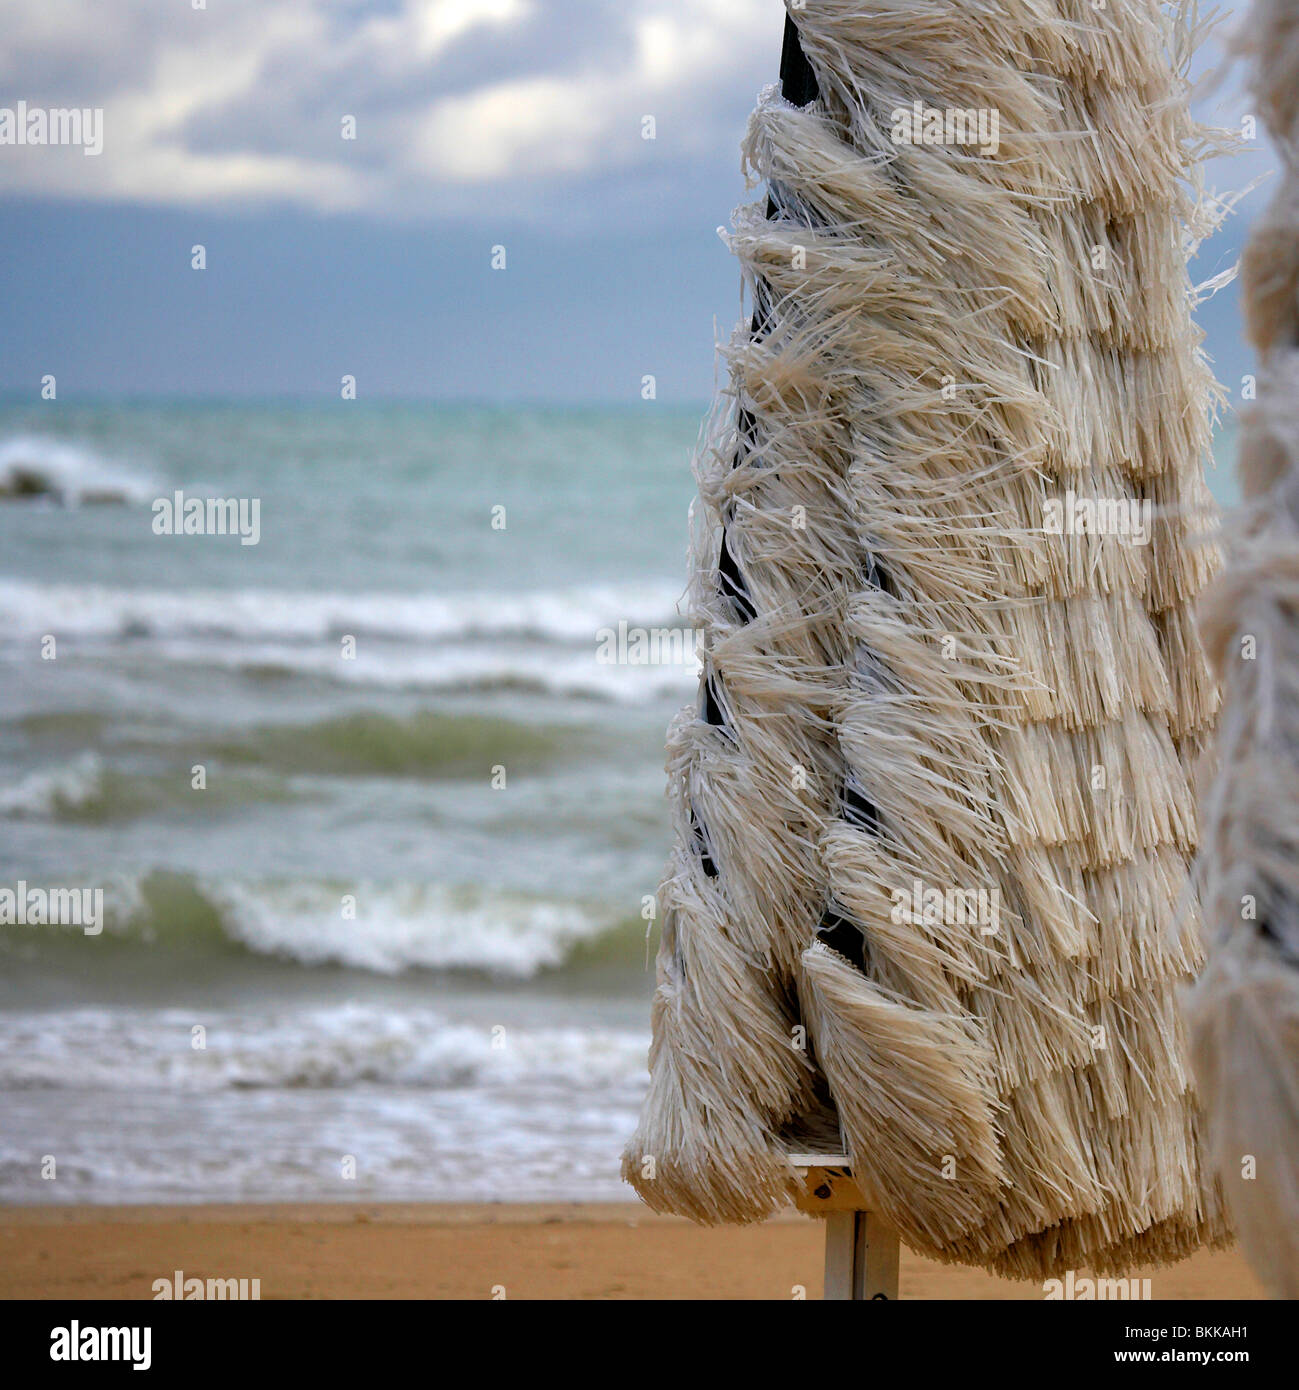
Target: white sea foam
{"x": 473, "y": 641}
{"x": 571, "y": 615}
{"x": 404, "y": 926}
{"x": 53, "y": 790}
{"x": 428, "y": 1108}
{"x": 37, "y": 465}
{"x": 389, "y": 928}
{"x": 452, "y": 667}
{"x": 318, "y": 1046}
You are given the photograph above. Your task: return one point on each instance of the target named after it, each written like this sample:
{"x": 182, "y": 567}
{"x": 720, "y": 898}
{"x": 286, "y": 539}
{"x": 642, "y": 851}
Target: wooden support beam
{"x": 861, "y": 1249}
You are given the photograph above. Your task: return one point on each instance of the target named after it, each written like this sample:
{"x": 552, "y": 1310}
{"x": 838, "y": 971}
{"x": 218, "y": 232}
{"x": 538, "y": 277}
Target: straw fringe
{"x": 1123, "y": 410}
{"x": 913, "y": 1098}
{"x": 1244, "y": 1012}
{"x": 1246, "y": 1039}
{"x": 937, "y": 354}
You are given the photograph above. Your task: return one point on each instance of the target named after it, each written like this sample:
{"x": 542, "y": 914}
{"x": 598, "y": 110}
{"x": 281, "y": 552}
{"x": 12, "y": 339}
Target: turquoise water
{"x": 482, "y": 915}
{"x": 475, "y": 1024}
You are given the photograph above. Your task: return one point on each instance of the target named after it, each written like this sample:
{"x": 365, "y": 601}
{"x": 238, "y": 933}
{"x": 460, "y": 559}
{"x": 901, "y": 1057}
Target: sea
{"x": 373, "y": 815}
{"x": 373, "y": 812}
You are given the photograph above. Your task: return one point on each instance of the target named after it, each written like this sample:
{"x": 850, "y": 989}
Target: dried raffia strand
{"x": 1244, "y": 1012}
{"x": 920, "y": 682}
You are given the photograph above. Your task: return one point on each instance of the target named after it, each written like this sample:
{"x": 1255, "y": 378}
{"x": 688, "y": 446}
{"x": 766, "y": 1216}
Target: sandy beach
{"x": 555, "y": 1251}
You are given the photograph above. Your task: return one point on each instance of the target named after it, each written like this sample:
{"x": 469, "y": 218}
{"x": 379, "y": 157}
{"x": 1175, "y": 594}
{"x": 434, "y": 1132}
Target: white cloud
{"x": 459, "y": 104}
{"x": 483, "y": 108}
{"x": 536, "y": 125}
{"x": 590, "y": 120}
{"x": 438, "y": 22}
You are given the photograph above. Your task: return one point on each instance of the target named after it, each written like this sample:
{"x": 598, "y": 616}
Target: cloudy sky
{"x": 477, "y": 123}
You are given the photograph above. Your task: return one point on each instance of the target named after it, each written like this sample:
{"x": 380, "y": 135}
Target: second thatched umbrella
{"x": 1245, "y": 1011}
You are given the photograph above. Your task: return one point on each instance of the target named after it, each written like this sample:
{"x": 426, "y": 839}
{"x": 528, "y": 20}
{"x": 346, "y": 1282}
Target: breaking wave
{"x": 385, "y": 929}
{"x": 37, "y": 466}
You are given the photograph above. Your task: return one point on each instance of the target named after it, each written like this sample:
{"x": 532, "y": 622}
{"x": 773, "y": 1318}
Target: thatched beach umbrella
{"x": 1245, "y": 1010}
{"x": 933, "y": 809}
